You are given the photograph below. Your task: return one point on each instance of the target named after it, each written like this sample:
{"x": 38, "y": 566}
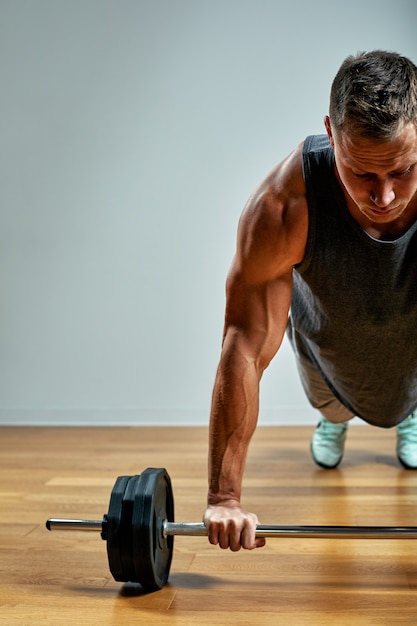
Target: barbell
{"x": 139, "y": 529}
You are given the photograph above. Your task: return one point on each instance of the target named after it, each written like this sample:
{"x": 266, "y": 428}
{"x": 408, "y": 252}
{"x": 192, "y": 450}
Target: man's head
{"x": 372, "y": 128}
{"x": 374, "y": 95}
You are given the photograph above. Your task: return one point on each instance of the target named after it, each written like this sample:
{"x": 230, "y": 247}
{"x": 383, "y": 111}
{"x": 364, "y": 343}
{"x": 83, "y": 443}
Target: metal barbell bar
{"x": 197, "y": 529}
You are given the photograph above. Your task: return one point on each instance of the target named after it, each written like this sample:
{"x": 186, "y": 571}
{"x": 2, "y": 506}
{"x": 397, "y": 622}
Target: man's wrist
{"x": 218, "y": 500}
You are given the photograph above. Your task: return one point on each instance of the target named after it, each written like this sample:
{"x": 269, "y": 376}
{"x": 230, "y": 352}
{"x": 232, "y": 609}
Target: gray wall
{"x": 132, "y": 133}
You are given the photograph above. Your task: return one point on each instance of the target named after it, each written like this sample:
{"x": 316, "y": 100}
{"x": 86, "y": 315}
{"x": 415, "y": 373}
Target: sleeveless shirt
{"x": 354, "y": 301}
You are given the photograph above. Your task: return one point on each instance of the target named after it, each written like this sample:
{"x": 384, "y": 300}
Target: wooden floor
{"x": 63, "y": 577}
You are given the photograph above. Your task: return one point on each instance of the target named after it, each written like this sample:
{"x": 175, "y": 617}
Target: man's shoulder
{"x": 275, "y": 221}
{"x": 283, "y": 193}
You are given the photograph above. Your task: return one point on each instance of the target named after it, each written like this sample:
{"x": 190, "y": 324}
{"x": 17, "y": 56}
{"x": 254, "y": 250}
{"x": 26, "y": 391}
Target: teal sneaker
{"x": 407, "y": 442}
{"x": 328, "y": 443}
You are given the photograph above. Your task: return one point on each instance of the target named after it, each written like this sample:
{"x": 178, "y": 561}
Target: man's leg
{"x": 328, "y": 442}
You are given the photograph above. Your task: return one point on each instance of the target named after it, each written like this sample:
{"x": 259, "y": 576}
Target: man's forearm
{"x": 233, "y": 420}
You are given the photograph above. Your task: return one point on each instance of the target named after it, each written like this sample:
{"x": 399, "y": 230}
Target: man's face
{"x": 379, "y": 178}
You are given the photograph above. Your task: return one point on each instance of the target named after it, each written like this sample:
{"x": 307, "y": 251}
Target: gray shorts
{"x": 315, "y": 387}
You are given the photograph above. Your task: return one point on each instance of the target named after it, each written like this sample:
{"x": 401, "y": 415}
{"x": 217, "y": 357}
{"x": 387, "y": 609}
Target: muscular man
{"x": 327, "y": 252}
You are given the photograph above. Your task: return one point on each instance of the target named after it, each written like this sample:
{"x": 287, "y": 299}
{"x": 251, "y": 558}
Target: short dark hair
{"x": 374, "y": 94}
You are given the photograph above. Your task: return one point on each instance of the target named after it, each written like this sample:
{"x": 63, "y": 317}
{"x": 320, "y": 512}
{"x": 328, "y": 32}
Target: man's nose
{"x": 382, "y": 193}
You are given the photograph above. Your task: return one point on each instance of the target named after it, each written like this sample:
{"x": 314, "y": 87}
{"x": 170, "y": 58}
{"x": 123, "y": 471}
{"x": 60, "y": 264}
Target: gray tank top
{"x": 354, "y": 303}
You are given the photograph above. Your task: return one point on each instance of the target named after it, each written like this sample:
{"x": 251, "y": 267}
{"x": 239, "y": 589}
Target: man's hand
{"x": 229, "y": 526}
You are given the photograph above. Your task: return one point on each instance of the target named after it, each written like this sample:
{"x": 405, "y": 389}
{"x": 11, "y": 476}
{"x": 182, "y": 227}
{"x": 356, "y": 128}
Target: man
{"x": 327, "y": 250}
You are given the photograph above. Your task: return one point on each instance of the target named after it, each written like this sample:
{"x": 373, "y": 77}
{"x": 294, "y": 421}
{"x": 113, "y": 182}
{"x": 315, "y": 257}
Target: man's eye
{"x": 405, "y": 172}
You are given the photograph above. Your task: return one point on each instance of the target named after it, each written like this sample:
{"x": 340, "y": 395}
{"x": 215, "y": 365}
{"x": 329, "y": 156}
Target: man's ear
{"x": 329, "y": 131}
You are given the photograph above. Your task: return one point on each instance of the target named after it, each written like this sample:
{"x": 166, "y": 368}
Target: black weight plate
{"x": 112, "y": 533}
{"x": 154, "y": 503}
{"x": 125, "y": 531}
